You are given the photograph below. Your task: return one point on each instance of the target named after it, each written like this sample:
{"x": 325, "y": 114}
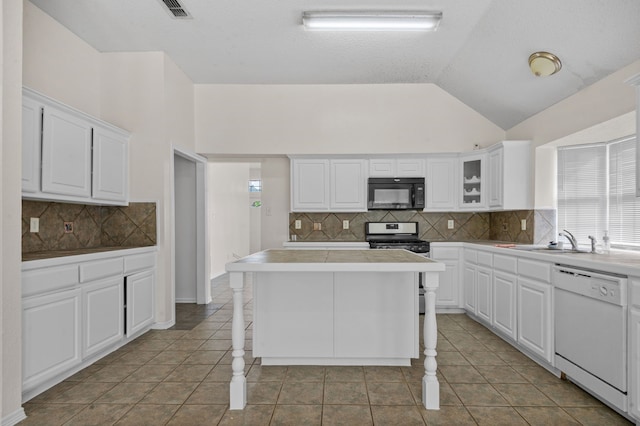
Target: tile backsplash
{"x": 502, "y": 226}
{"x": 93, "y": 226}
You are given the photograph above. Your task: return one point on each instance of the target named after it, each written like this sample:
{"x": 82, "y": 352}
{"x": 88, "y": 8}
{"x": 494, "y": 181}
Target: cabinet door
{"x": 66, "y": 154}
{"x": 496, "y": 183}
{"x": 31, "y": 144}
{"x": 534, "y": 317}
{"x": 310, "y": 185}
{"x": 472, "y": 171}
{"x": 484, "y": 293}
{"x": 110, "y": 165}
{"x": 50, "y": 336}
{"x": 504, "y": 303}
{"x": 469, "y": 277}
{"x": 634, "y": 362}
{"x": 348, "y": 185}
{"x": 139, "y": 301}
{"x": 409, "y": 167}
{"x": 447, "y": 294}
{"x": 103, "y": 314}
{"x": 382, "y": 167}
{"x": 442, "y": 186}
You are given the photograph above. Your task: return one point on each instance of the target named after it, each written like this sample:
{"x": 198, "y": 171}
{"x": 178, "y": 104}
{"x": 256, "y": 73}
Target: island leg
{"x": 430, "y": 385}
{"x": 238, "y": 385}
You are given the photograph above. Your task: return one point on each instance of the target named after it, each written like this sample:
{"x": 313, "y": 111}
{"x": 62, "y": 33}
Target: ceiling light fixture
{"x": 372, "y": 21}
{"x": 544, "y": 64}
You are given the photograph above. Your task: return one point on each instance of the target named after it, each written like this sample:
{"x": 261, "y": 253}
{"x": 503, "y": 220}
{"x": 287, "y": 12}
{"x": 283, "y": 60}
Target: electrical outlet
{"x": 298, "y": 224}
{"x": 523, "y": 224}
{"x": 34, "y": 224}
{"x": 317, "y": 226}
{"x": 345, "y": 224}
{"x": 68, "y": 227}
{"x": 450, "y": 224}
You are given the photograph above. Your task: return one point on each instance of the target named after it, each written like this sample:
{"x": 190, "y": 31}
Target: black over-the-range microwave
{"x": 396, "y": 194}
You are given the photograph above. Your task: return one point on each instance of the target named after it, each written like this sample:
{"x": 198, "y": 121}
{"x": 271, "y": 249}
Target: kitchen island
{"x": 335, "y": 307}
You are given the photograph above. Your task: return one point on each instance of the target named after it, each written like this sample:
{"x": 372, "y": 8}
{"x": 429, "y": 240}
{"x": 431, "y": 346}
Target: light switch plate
{"x": 298, "y": 224}
{"x": 34, "y": 224}
{"x": 523, "y": 224}
{"x": 345, "y": 224}
{"x": 450, "y": 224}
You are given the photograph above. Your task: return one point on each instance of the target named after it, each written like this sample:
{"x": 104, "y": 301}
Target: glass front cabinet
{"x": 474, "y": 181}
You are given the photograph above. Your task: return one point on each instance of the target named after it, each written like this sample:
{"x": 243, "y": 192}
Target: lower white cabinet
{"x": 483, "y": 293}
{"x": 534, "y": 317}
{"x": 504, "y": 303}
{"x": 634, "y": 362}
{"x": 139, "y": 302}
{"x": 103, "y": 304}
{"x": 448, "y": 293}
{"x": 51, "y": 335}
{"x": 469, "y": 287}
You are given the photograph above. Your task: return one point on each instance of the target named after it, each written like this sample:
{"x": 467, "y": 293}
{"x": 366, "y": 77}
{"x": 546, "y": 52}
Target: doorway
{"x": 190, "y": 249}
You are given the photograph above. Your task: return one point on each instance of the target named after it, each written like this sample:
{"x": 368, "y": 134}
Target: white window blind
{"x": 624, "y": 207}
{"x": 596, "y": 192}
{"x": 582, "y": 186}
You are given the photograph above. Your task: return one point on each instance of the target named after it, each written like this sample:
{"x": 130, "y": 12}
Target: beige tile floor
{"x": 180, "y": 377}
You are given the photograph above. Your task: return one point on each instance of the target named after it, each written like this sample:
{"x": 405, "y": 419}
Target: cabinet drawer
{"x": 485, "y": 259}
{"x": 48, "y": 279}
{"x": 471, "y": 256}
{"x": 92, "y": 271}
{"x": 445, "y": 253}
{"x": 537, "y": 270}
{"x": 505, "y": 263}
{"x": 139, "y": 262}
{"x": 634, "y": 288}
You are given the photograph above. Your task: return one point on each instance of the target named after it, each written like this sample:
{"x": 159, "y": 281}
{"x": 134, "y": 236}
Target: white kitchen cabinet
{"x": 469, "y": 269}
{"x": 51, "y": 335}
{"x": 448, "y": 293}
{"x": 396, "y": 167}
{"x": 103, "y": 303}
{"x": 309, "y": 184}
{"x": 139, "y": 301}
{"x": 31, "y": 143}
{"x": 508, "y": 175}
{"x": 66, "y": 154}
{"x": 69, "y": 156}
{"x": 634, "y": 347}
{"x": 348, "y": 185}
{"x": 442, "y": 183}
{"x": 504, "y": 304}
{"x": 484, "y": 293}
{"x": 473, "y": 181}
{"x": 477, "y": 276}
{"x": 110, "y": 165}
{"x": 534, "y": 317}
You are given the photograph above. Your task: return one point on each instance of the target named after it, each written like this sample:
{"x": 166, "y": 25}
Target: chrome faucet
{"x": 570, "y": 237}
{"x": 593, "y": 243}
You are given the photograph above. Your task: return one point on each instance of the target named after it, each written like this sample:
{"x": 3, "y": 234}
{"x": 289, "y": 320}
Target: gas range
{"x": 395, "y": 235}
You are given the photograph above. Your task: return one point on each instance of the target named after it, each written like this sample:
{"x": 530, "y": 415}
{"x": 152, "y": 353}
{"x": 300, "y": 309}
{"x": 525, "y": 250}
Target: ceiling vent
{"x": 176, "y": 9}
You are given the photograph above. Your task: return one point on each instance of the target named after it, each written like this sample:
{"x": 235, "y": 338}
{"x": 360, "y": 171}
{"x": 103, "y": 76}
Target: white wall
{"x": 335, "y": 119}
{"x": 10, "y": 212}
{"x": 229, "y": 213}
{"x": 274, "y": 227}
{"x": 600, "y": 110}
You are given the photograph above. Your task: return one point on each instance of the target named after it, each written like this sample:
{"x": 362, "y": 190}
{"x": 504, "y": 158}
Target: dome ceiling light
{"x": 544, "y": 64}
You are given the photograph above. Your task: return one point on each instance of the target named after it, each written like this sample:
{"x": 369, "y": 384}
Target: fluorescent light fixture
{"x": 372, "y": 21}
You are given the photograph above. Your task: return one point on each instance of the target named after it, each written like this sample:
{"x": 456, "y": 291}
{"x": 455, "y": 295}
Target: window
{"x": 255, "y": 186}
{"x": 596, "y": 192}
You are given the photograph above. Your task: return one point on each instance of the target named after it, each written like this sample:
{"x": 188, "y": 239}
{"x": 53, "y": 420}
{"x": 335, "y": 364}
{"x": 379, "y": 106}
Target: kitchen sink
{"x": 544, "y": 249}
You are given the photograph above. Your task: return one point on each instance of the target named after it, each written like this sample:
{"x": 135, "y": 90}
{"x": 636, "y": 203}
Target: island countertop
{"x": 335, "y": 261}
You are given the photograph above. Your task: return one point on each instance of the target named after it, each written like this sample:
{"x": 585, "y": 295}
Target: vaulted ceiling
{"x": 479, "y": 53}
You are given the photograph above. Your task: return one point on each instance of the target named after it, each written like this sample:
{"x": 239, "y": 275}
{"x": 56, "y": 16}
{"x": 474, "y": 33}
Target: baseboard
{"x": 186, "y": 300}
{"x": 163, "y": 325}
{"x": 14, "y": 418}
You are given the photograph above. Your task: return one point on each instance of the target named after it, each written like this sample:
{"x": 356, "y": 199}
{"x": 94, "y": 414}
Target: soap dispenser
{"x": 606, "y": 244}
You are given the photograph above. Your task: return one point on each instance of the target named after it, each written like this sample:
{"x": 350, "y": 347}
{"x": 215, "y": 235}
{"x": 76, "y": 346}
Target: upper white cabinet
{"x": 509, "y": 175}
{"x": 70, "y": 156}
{"x": 348, "y": 185}
{"x": 442, "y": 183}
{"x": 323, "y": 184}
{"x": 396, "y": 167}
{"x": 474, "y": 182}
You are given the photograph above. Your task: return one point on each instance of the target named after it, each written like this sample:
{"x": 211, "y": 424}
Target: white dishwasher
{"x": 590, "y": 309}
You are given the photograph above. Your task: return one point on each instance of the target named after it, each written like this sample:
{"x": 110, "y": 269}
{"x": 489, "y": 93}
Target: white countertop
{"x": 273, "y": 260}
